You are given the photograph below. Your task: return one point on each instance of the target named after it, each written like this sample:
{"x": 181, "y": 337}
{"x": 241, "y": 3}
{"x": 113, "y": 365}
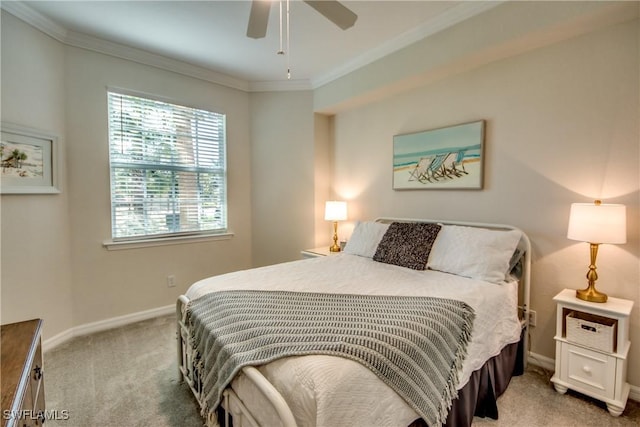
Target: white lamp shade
{"x": 335, "y": 211}
{"x": 598, "y": 223}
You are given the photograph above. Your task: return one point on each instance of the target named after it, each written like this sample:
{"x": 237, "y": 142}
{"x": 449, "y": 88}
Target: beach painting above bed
{"x": 446, "y": 158}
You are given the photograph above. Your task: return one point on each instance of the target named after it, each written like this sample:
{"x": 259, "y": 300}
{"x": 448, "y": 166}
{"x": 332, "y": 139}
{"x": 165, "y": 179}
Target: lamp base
{"x": 591, "y": 294}
{"x": 335, "y": 247}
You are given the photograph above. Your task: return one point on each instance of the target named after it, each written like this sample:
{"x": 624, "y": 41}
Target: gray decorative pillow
{"x": 407, "y": 244}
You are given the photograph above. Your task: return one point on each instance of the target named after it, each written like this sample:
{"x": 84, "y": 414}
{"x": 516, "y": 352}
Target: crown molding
{"x": 35, "y": 19}
{"x": 117, "y": 50}
{"x": 445, "y": 20}
{"x": 441, "y": 22}
{"x": 280, "y": 86}
{"x": 84, "y": 41}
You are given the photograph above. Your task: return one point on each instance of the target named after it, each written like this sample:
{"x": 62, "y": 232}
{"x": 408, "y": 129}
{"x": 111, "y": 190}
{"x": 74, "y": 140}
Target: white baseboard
{"x": 542, "y": 361}
{"x": 550, "y": 365}
{"x": 103, "y": 325}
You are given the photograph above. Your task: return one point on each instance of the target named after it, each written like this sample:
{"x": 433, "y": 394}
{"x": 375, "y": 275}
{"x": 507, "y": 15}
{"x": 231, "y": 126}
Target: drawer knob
{"x": 587, "y": 369}
{"x": 37, "y": 373}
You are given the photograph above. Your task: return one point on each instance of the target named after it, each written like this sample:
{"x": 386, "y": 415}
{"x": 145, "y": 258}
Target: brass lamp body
{"x": 591, "y": 293}
{"x": 335, "y": 247}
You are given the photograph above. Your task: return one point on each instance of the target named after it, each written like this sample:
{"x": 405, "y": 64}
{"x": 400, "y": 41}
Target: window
{"x": 168, "y": 169}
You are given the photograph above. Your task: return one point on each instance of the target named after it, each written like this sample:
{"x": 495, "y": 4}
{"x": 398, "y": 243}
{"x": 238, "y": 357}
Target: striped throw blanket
{"x": 416, "y": 345}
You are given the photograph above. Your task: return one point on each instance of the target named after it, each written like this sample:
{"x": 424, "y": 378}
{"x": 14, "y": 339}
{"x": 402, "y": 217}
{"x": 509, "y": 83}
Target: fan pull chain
{"x": 288, "y": 45}
{"x": 288, "y": 32}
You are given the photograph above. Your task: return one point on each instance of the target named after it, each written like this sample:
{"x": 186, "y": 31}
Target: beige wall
{"x": 112, "y": 283}
{"x": 54, "y": 265}
{"x": 282, "y": 174}
{"x": 323, "y": 174}
{"x": 562, "y": 127}
{"x": 35, "y": 245}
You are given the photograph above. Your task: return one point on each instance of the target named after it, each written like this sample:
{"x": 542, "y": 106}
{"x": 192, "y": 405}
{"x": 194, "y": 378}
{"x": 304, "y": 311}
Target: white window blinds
{"x": 168, "y": 168}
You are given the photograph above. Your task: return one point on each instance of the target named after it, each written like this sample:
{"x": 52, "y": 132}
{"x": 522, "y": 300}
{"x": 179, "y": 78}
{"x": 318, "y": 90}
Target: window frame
{"x": 177, "y": 237}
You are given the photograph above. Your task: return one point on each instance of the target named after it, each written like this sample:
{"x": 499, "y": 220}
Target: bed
{"x": 468, "y": 281}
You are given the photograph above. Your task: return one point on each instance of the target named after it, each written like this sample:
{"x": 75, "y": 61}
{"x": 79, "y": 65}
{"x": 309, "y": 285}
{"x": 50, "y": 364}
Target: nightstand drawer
{"x": 589, "y": 371}
{"x": 597, "y": 373}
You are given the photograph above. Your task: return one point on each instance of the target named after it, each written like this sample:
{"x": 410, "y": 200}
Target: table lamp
{"x": 596, "y": 223}
{"x": 335, "y": 211}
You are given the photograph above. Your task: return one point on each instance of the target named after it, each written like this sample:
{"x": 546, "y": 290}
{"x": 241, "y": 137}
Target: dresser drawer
{"x": 36, "y": 379}
{"x": 22, "y": 394}
{"x": 589, "y": 371}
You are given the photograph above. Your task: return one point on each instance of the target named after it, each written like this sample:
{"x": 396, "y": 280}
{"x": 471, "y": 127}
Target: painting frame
{"x": 445, "y": 158}
{"x": 28, "y": 161}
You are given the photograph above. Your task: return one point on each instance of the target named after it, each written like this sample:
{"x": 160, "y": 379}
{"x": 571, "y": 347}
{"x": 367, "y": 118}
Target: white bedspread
{"x": 330, "y": 391}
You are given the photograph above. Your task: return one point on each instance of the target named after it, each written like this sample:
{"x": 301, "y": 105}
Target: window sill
{"x": 163, "y": 241}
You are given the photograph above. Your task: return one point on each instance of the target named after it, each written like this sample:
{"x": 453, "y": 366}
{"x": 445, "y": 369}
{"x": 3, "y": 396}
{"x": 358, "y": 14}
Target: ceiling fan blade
{"x": 258, "y": 19}
{"x": 335, "y": 12}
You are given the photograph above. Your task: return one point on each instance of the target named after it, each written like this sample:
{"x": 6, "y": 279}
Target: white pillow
{"x": 474, "y": 252}
{"x": 365, "y": 238}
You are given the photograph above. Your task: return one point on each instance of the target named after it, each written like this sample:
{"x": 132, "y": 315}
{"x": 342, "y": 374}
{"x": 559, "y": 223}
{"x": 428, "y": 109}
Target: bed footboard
{"x": 231, "y": 403}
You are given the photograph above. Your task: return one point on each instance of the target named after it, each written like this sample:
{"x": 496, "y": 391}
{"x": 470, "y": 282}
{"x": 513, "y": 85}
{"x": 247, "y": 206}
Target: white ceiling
{"x": 212, "y": 34}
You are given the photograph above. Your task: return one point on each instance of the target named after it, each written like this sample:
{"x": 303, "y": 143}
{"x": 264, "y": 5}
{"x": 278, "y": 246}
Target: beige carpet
{"x": 128, "y": 377}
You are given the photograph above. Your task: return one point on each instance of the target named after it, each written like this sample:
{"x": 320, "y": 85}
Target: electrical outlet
{"x": 171, "y": 281}
{"x": 533, "y": 317}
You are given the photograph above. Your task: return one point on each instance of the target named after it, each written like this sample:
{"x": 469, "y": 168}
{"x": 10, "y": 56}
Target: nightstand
{"x": 592, "y": 345}
{"x": 317, "y": 252}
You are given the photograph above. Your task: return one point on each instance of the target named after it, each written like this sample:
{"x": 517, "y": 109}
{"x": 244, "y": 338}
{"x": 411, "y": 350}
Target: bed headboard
{"x": 524, "y": 247}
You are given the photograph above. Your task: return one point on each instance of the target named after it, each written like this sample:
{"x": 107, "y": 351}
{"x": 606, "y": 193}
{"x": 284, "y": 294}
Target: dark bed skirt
{"x": 479, "y": 397}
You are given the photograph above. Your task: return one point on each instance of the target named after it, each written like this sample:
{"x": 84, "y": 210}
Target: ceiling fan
{"x": 333, "y": 10}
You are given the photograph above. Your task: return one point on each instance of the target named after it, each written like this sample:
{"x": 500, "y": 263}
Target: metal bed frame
{"x": 242, "y": 415}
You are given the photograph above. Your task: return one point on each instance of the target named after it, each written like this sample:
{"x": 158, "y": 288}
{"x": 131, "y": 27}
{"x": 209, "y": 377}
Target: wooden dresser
{"x": 22, "y": 375}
